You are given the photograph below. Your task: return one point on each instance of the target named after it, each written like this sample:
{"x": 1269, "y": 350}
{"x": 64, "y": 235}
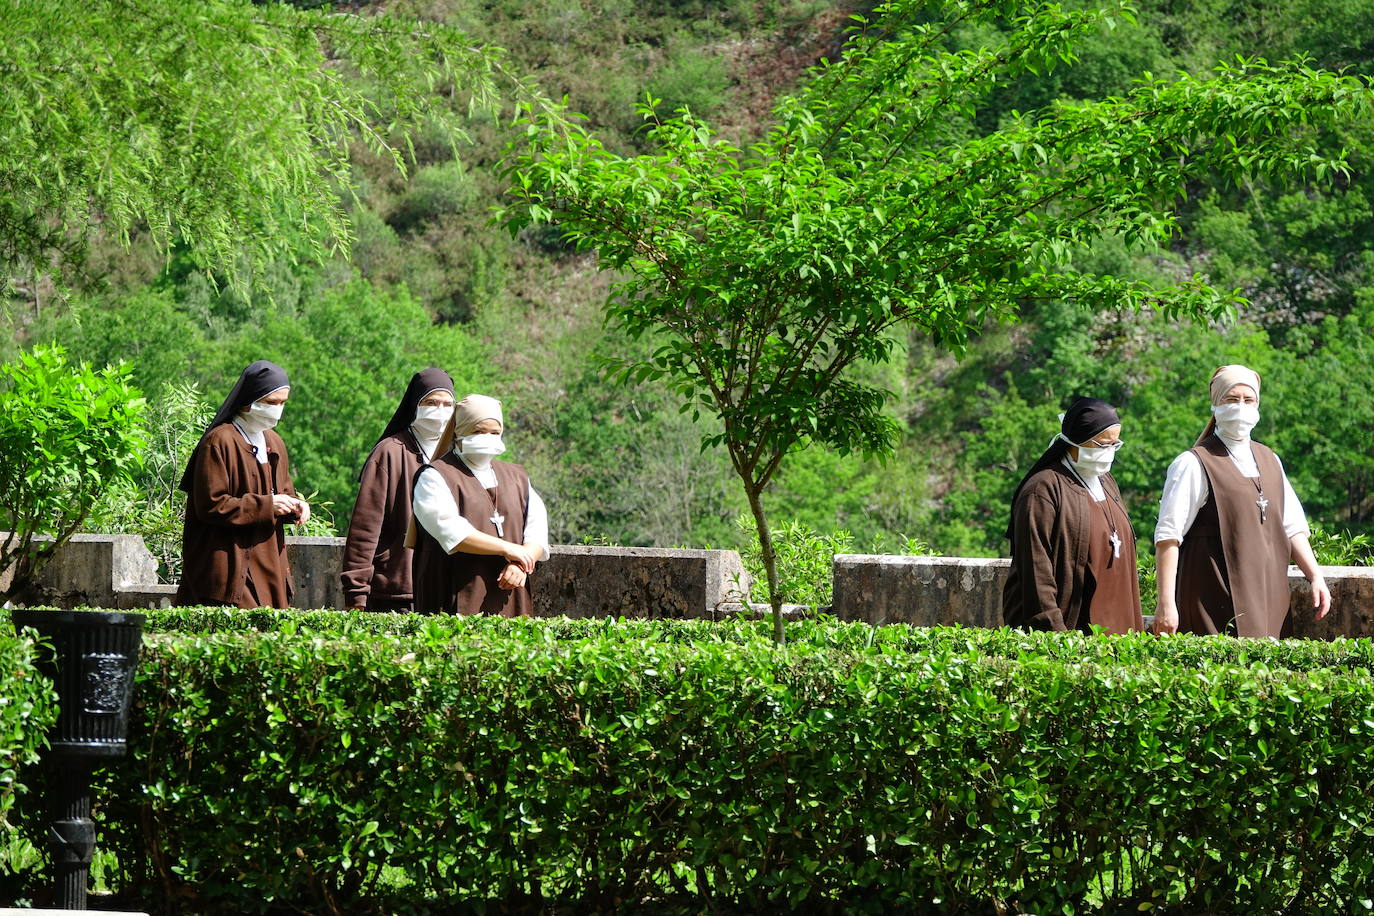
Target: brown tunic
{"x": 1114, "y": 599}
{"x": 466, "y": 583}
{"x": 376, "y": 562}
{"x": 1233, "y": 570}
{"x": 233, "y": 549}
{"x": 1050, "y": 585}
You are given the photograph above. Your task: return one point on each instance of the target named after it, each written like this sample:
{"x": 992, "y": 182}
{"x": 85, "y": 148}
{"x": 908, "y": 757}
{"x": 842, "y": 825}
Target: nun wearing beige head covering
{"x": 480, "y": 527}
{"x": 1229, "y": 525}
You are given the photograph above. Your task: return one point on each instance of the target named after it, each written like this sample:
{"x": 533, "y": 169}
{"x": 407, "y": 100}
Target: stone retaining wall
{"x": 932, "y": 591}
{"x": 117, "y": 571}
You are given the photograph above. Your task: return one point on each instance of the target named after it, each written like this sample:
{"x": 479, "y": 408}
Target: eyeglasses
{"x": 1110, "y": 445}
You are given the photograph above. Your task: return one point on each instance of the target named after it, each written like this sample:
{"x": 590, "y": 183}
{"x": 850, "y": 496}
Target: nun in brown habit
{"x": 1229, "y": 523}
{"x": 1072, "y": 549}
{"x": 479, "y": 526}
{"x": 376, "y": 562}
{"x": 239, "y": 498}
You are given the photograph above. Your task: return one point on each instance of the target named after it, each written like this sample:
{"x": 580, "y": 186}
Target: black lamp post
{"x": 93, "y": 670}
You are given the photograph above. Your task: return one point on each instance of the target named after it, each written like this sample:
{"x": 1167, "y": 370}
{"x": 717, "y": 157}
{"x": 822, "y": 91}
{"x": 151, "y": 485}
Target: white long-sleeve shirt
{"x": 1186, "y": 489}
{"x": 437, "y": 511}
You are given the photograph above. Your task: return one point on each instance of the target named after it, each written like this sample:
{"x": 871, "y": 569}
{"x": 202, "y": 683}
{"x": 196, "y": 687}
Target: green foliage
{"x": 348, "y": 347}
{"x": 805, "y": 559}
{"x": 67, "y": 433}
{"x": 621, "y": 463}
{"x": 150, "y": 502}
{"x": 573, "y": 764}
{"x": 767, "y": 274}
{"x": 1341, "y": 548}
{"x": 27, "y": 710}
{"x": 219, "y": 124}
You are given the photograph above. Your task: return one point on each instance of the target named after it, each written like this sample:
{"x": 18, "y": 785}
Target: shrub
{"x": 151, "y": 503}
{"x": 1334, "y": 547}
{"x": 27, "y": 710}
{"x": 805, "y": 562}
{"x": 680, "y": 766}
{"x": 67, "y": 433}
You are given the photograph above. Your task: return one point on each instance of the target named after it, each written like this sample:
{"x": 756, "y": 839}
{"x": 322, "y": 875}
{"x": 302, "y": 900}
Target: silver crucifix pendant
{"x": 498, "y": 520}
{"x": 1116, "y": 544}
{"x": 1263, "y": 504}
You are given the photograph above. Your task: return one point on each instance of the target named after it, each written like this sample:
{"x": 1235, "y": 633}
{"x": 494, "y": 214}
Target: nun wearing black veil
{"x": 239, "y": 497}
{"x": 376, "y": 561}
{"x": 1072, "y": 549}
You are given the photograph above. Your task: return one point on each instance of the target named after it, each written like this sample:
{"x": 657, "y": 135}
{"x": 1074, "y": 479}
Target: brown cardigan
{"x": 1048, "y": 583}
{"x": 376, "y": 561}
{"x": 230, "y": 529}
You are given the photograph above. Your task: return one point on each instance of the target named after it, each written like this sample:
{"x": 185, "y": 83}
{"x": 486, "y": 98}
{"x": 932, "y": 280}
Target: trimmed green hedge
{"x": 28, "y": 708}
{"x": 477, "y": 764}
{"x": 823, "y": 633}
{"x": 668, "y": 766}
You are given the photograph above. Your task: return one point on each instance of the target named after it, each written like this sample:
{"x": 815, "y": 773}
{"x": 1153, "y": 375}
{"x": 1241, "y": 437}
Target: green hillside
{"x": 432, "y": 281}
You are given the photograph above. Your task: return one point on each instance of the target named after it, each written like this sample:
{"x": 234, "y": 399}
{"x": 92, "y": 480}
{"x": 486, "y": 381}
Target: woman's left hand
{"x": 511, "y": 577}
{"x": 1321, "y": 597}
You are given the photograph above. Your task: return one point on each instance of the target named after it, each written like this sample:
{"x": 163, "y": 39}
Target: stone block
{"x": 91, "y": 569}
{"x": 1352, "y": 603}
{"x": 582, "y": 581}
{"x": 315, "y": 566}
{"x": 921, "y": 591}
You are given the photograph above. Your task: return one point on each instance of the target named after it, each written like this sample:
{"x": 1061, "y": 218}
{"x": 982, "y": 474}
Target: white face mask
{"x": 1234, "y": 421}
{"x": 260, "y": 417}
{"x": 1093, "y": 462}
{"x": 483, "y": 446}
{"x": 431, "y": 420}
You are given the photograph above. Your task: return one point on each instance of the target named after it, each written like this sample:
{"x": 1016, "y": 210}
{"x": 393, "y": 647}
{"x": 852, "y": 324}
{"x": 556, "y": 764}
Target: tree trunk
{"x": 770, "y": 561}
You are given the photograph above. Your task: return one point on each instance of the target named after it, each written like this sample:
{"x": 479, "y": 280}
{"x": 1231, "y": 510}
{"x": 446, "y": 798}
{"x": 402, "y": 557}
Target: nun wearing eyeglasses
{"x": 1229, "y": 523}
{"x": 1072, "y": 549}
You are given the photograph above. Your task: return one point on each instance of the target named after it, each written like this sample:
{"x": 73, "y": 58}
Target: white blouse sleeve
{"x": 1294, "y": 518}
{"x": 537, "y": 523}
{"x": 437, "y": 511}
{"x": 1185, "y": 492}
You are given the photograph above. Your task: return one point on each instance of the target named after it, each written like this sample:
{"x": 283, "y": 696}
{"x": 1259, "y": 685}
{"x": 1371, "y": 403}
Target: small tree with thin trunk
{"x": 67, "y": 433}
{"x": 767, "y": 274}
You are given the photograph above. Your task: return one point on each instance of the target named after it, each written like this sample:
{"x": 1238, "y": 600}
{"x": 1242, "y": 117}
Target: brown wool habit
{"x": 466, "y": 583}
{"x": 376, "y": 562}
{"x": 233, "y": 547}
{"x": 1055, "y": 567}
{"x": 1233, "y": 569}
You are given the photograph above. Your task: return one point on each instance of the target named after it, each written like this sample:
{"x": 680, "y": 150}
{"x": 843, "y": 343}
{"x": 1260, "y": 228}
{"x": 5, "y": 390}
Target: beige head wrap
{"x": 467, "y": 413}
{"x": 1223, "y": 380}
{"x": 1228, "y": 377}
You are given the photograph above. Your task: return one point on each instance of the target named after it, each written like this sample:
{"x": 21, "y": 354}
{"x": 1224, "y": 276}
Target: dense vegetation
{"x": 431, "y": 281}
{"x": 284, "y": 762}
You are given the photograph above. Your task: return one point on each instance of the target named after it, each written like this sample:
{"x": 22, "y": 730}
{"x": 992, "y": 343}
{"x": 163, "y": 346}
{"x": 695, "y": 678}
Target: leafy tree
{"x": 349, "y": 348}
{"x": 66, "y": 434}
{"x": 150, "y": 503}
{"x": 768, "y": 274}
{"x": 215, "y": 122}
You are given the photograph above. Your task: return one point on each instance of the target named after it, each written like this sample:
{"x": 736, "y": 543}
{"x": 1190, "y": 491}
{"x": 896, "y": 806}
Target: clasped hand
{"x": 283, "y": 505}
